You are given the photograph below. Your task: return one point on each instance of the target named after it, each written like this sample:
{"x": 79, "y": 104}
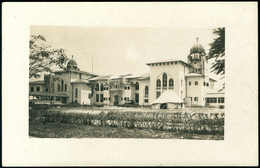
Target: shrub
{"x": 204, "y": 123}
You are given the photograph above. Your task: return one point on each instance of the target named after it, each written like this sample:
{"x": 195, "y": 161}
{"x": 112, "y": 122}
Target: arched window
{"x": 171, "y": 83}
{"x": 146, "y": 91}
{"x": 158, "y": 83}
{"x": 97, "y": 87}
{"x": 164, "y": 80}
{"x": 137, "y": 86}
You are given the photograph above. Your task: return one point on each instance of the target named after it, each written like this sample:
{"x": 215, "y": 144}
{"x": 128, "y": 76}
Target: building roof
{"x": 48, "y": 94}
{"x": 120, "y": 76}
{"x": 211, "y": 78}
{"x": 79, "y": 81}
{"x": 168, "y": 97}
{"x": 169, "y": 61}
{"x": 132, "y": 76}
{"x": 144, "y": 76}
{"x": 104, "y": 77}
{"x": 215, "y": 91}
{"x": 126, "y": 76}
{"x": 193, "y": 74}
{"x": 82, "y": 72}
{"x": 39, "y": 82}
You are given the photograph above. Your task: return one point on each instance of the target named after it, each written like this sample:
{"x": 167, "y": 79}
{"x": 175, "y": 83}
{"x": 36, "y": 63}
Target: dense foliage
{"x": 44, "y": 58}
{"x": 217, "y": 51}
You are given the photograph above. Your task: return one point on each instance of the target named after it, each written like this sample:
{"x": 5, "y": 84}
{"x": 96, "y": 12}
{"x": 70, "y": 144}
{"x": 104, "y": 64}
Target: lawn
{"x": 72, "y": 123}
{"x": 62, "y": 130}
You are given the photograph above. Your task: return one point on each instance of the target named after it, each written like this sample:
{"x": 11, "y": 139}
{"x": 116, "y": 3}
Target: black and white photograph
{"x": 129, "y": 84}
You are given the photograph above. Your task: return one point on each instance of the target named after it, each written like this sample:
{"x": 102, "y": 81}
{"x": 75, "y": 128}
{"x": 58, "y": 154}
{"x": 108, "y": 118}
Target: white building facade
{"x": 188, "y": 84}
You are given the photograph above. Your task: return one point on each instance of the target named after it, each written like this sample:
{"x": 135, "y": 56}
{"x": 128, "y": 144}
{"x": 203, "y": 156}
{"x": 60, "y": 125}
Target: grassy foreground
{"x": 64, "y": 130}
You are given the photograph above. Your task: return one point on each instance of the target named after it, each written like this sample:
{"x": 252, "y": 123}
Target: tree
{"x": 44, "y": 58}
{"x": 217, "y": 51}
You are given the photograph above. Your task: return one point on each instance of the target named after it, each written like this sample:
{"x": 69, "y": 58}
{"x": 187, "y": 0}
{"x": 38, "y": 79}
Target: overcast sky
{"x": 117, "y": 50}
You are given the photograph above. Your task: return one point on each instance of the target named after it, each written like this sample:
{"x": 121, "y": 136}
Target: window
{"x": 146, "y": 91}
{"x": 207, "y": 84}
{"x": 189, "y": 83}
{"x": 46, "y": 89}
{"x": 58, "y": 87}
{"x": 196, "y": 98}
{"x": 101, "y": 97}
{"x": 164, "y": 80}
{"x": 125, "y": 88}
{"x": 171, "y": 83}
{"x": 32, "y": 89}
{"x": 76, "y": 92}
{"x": 146, "y": 100}
{"x": 125, "y": 98}
{"x": 137, "y": 98}
{"x": 97, "y": 97}
{"x": 158, "y": 83}
{"x": 221, "y": 100}
{"x": 38, "y": 89}
{"x": 128, "y": 88}
{"x": 62, "y": 83}
{"x": 89, "y": 95}
{"x": 65, "y": 87}
{"x": 158, "y": 94}
{"x": 137, "y": 86}
{"x": 97, "y": 87}
{"x": 79, "y": 76}
{"x": 196, "y": 83}
{"x": 211, "y": 100}
{"x": 204, "y": 83}
{"x": 101, "y": 87}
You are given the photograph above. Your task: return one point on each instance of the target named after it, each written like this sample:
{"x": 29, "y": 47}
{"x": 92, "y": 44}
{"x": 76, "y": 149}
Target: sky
{"x": 121, "y": 50}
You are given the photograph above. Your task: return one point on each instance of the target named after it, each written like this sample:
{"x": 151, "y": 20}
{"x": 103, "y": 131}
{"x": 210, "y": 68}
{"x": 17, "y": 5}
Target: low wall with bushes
{"x": 201, "y": 123}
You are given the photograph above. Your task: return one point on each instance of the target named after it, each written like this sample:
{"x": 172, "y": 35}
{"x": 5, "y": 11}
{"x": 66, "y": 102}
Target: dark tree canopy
{"x": 217, "y": 51}
{"x": 44, "y": 58}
